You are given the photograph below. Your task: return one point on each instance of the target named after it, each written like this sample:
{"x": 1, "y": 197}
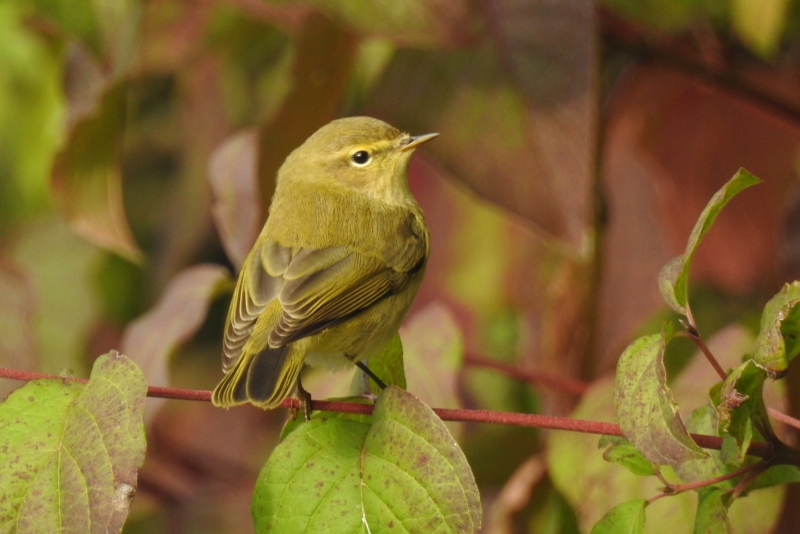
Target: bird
{"x": 335, "y": 268}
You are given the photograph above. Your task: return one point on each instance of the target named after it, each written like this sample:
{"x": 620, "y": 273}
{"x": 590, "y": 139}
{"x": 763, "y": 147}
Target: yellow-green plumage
{"x": 336, "y": 267}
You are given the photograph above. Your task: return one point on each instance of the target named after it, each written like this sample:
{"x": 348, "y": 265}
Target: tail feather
{"x": 273, "y": 375}
{"x": 264, "y": 378}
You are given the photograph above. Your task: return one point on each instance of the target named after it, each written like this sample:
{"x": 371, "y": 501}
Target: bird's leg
{"x": 304, "y": 399}
{"x": 369, "y": 373}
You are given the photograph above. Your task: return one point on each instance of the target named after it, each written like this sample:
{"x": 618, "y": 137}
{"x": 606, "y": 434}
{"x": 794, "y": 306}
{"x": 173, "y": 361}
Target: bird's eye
{"x": 361, "y": 158}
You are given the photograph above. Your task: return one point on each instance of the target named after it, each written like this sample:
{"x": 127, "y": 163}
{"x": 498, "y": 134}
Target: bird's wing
{"x": 316, "y": 288}
{"x": 323, "y": 288}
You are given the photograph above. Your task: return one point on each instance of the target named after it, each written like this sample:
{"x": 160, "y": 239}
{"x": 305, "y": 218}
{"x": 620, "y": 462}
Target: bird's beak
{"x": 413, "y": 142}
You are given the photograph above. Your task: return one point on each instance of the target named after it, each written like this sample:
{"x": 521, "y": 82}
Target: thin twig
{"x": 784, "y": 418}
{"x": 675, "y": 489}
{"x": 706, "y": 352}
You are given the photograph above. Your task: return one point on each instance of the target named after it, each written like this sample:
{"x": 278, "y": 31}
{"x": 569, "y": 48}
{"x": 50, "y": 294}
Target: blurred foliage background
{"x": 139, "y": 140}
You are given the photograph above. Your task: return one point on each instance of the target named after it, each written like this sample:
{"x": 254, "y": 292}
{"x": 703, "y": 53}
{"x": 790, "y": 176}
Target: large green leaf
{"x": 402, "y": 473}
{"x": 673, "y": 278}
{"x": 69, "y": 453}
{"x": 645, "y": 410}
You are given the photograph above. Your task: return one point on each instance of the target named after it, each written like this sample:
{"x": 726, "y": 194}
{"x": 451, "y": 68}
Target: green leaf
{"x": 779, "y": 339}
{"x": 673, "y": 278}
{"x": 298, "y": 422}
{"x": 643, "y": 403}
{"x": 70, "y": 452}
{"x": 712, "y": 511}
{"x": 388, "y": 366}
{"x": 776, "y": 475}
{"x": 760, "y": 23}
{"x": 404, "y": 472}
{"x": 622, "y": 452}
{"x": 626, "y": 518}
{"x": 87, "y": 177}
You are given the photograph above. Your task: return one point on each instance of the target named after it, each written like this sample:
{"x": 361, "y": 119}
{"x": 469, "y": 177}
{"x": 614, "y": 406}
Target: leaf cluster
{"x": 655, "y": 433}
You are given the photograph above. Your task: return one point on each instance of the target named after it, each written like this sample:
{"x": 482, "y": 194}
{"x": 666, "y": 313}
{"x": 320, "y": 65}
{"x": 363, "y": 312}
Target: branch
{"x": 762, "y": 450}
{"x": 536, "y": 378}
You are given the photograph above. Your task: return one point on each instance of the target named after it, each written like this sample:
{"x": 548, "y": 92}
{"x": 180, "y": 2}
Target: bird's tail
{"x": 263, "y": 378}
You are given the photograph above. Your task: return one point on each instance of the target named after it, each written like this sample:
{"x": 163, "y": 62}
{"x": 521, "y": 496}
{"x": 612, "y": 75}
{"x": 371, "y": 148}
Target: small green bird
{"x": 335, "y": 268}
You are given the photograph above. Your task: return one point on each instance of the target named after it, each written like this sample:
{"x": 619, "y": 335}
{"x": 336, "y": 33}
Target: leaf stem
{"x": 675, "y": 489}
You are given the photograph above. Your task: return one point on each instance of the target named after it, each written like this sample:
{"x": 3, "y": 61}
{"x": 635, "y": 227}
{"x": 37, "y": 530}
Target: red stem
{"x": 446, "y": 414}
{"x": 706, "y": 352}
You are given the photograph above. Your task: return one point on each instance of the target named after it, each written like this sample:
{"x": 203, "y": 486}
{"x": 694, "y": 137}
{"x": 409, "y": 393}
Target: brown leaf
{"x": 516, "y": 115}
{"x": 87, "y": 180}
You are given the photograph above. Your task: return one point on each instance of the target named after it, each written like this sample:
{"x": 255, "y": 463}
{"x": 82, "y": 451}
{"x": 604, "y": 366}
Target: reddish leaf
{"x": 433, "y": 351}
{"x": 152, "y": 338}
{"x": 516, "y": 117}
{"x": 236, "y": 208}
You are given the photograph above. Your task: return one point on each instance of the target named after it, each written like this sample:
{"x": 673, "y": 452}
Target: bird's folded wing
{"x": 326, "y": 287}
{"x": 316, "y": 289}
